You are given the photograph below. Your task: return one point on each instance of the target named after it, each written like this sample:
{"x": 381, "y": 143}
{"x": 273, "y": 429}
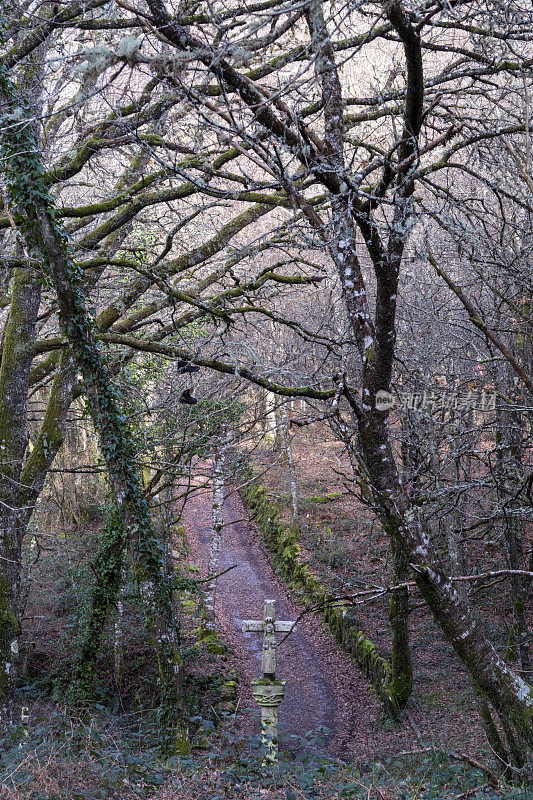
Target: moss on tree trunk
{"x": 402, "y": 667}
{"x": 34, "y": 212}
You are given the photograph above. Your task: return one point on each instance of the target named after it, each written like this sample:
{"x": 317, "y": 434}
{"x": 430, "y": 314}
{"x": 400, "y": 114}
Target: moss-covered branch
{"x": 34, "y": 213}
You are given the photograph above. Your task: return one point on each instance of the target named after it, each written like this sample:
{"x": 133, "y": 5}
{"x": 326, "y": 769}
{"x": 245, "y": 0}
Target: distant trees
{"x": 226, "y": 173}
{"x": 370, "y": 180}
{"x": 70, "y": 135}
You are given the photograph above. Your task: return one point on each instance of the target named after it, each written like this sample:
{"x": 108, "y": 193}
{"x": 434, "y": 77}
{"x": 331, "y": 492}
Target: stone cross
{"x": 268, "y": 691}
{"x": 268, "y": 626}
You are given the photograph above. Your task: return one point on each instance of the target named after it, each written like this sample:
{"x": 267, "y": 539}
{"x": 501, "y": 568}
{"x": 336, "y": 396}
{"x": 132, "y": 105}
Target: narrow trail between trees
{"x": 324, "y": 686}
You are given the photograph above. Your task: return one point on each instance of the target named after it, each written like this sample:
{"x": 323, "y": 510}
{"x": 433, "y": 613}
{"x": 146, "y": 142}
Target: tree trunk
{"x": 216, "y": 537}
{"x": 375, "y": 339}
{"x": 117, "y": 449}
{"x": 107, "y": 568}
{"x": 508, "y": 693}
{"x": 402, "y": 667}
{"x": 463, "y": 472}
{"x": 271, "y": 420}
{"x": 512, "y": 476}
{"x": 291, "y": 466}
{"x": 118, "y": 638}
{"x": 17, "y": 356}
{"x": 46, "y": 241}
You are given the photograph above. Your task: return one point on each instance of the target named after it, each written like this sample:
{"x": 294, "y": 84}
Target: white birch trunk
{"x": 216, "y": 536}
{"x": 271, "y": 423}
{"x": 293, "y": 479}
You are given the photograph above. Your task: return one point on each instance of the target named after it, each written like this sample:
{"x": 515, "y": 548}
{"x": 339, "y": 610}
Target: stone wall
{"x": 283, "y": 544}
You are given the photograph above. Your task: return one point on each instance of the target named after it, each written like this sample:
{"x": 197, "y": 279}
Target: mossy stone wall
{"x": 283, "y": 543}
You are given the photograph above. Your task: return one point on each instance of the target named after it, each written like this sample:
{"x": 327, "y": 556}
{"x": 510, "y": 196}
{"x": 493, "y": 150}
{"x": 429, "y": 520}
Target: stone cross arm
{"x": 268, "y": 626}
{"x": 258, "y": 626}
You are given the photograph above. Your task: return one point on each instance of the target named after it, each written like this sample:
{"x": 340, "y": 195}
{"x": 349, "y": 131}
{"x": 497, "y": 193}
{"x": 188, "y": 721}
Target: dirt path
{"x": 324, "y": 687}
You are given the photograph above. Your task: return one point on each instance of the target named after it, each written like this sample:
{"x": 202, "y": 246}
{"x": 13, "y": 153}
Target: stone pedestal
{"x": 268, "y": 691}
{"x": 268, "y": 695}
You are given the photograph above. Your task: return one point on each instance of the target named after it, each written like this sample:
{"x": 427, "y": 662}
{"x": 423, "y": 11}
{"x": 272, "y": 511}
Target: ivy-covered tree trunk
{"x": 107, "y": 568}
{"x": 33, "y": 210}
{"x": 17, "y": 356}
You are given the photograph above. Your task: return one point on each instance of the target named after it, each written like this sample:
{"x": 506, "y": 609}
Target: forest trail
{"x": 324, "y": 687}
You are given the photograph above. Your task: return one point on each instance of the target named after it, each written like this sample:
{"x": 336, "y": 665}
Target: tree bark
{"x": 402, "y": 666}
{"x": 32, "y": 206}
{"x": 107, "y": 568}
{"x": 17, "y": 356}
{"x": 291, "y": 466}
{"x": 508, "y": 693}
{"x": 117, "y": 449}
{"x": 216, "y": 537}
{"x": 511, "y": 472}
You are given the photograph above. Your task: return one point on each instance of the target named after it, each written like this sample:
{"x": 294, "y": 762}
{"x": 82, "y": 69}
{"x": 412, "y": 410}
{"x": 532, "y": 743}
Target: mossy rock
{"x": 325, "y": 498}
{"x": 201, "y": 743}
{"x": 208, "y": 640}
{"x": 216, "y": 648}
{"x": 229, "y": 690}
{"x": 227, "y": 707}
{"x": 314, "y": 588}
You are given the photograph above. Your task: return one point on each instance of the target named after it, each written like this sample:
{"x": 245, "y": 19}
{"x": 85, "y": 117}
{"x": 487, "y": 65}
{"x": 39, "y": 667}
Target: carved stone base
{"x": 268, "y": 695}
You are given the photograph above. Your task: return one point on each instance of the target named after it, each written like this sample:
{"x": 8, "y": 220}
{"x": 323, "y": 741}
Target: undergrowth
{"x": 109, "y": 757}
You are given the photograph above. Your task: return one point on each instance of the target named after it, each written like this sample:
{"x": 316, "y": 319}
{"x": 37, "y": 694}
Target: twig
{"x": 414, "y": 726}
{"x": 212, "y": 577}
{"x": 493, "y": 778}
